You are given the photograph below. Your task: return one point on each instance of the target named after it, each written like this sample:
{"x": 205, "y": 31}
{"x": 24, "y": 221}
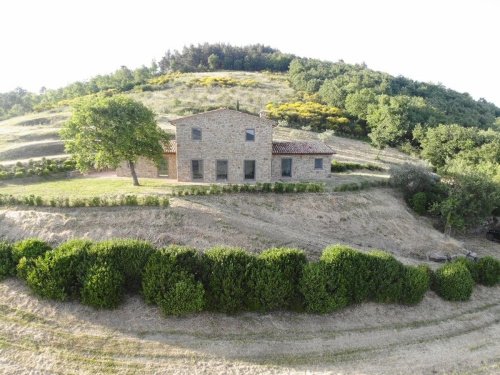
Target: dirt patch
{"x": 375, "y": 218}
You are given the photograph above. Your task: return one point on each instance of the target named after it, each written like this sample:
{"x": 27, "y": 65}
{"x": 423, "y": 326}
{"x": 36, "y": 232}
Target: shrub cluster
{"x": 277, "y": 187}
{"x": 99, "y": 201}
{"x": 182, "y": 280}
{"x": 338, "y": 166}
{"x": 44, "y": 167}
{"x": 222, "y": 82}
{"x": 355, "y": 186}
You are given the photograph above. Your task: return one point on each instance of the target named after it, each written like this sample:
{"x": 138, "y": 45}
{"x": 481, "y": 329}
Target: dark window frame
{"x": 320, "y": 168}
{"x": 200, "y": 163}
{"x": 217, "y": 170}
{"x": 252, "y": 134}
{"x": 193, "y": 138}
{"x": 291, "y": 167}
{"x": 245, "y": 170}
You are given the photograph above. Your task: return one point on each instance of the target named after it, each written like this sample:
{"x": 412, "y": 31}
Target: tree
{"x": 105, "y": 131}
{"x": 213, "y": 61}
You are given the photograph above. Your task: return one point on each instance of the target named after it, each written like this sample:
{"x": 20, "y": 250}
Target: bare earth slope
{"x": 375, "y": 218}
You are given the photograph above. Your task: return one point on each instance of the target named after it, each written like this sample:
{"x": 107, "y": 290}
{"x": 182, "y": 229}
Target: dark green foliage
{"x": 7, "y": 262}
{"x": 42, "y": 167}
{"x": 385, "y": 277}
{"x": 416, "y": 281}
{"x": 349, "y": 268}
{"x": 126, "y": 256}
{"x": 471, "y": 265}
{"x": 412, "y": 179}
{"x": 418, "y": 202}
{"x": 103, "y": 286}
{"x": 226, "y": 277}
{"x": 165, "y": 268}
{"x": 454, "y": 282}
{"x": 25, "y": 252}
{"x": 59, "y": 273}
{"x": 339, "y": 166}
{"x": 488, "y": 269}
{"x": 274, "y": 279}
{"x": 322, "y": 292}
{"x": 186, "y": 296}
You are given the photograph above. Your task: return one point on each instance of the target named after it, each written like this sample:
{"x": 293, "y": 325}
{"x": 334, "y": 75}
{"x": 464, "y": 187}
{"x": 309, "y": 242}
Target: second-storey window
{"x": 196, "y": 134}
{"x": 250, "y": 135}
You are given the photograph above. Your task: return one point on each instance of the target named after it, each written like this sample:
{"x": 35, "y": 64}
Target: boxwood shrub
{"x": 25, "y": 252}
{"x": 185, "y": 296}
{"x": 7, "y": 263}
{"x": 59, "y": 273}
{"x": 165, "y": 268}
{"x": 349, "y": 267}
{"x": 274, "y": 280}
{"x": 103, "y": 286}
{"x": 471, "y": 265}
{"x": 488, "y": 269}
{"x": 322, "y": 293}
{"x": 385, "y": 277}
{"x": 226, "y": 275}
{"x": 127, "y": 256}
{"x": 416, "y": 282}
{"x": 454, "y": 282}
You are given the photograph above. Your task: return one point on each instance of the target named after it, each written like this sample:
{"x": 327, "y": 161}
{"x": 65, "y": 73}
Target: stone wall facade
{"x": 146, "y": 168}
{"x": 223, "y": 138}
{"x": 302, "y": 167}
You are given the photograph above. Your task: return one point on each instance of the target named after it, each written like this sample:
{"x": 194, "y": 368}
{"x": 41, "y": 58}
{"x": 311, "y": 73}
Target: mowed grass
{"x": 85, "y": 187}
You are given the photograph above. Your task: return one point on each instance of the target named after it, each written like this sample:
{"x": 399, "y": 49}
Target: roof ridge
{"x": 218, "y": 110}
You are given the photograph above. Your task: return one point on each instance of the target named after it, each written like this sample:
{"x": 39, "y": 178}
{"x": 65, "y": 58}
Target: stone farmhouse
{"x": 229, "y": 146}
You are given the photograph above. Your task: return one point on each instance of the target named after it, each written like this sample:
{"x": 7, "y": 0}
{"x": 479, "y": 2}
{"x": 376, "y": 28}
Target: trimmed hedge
{"x": 103, "y": 286}
{"x": 274, "y": 280}
{"x": 59, "y": 274}
{"x": 24, "y": 254}
{"x": 226, "y": 278}
{"x": 454, "y": 282}
{"x": 182, "y": 280}
{"x": 7, "y": 262}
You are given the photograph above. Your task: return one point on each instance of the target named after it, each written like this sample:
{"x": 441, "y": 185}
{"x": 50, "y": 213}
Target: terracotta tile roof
{"x": 301, "y": 147}
{"x": 170, "y": 147}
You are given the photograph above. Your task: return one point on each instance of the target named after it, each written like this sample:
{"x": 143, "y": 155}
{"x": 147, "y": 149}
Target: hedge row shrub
{"x": 182, "y": 280}
{"x": 339, "y": 166}
{"x": 43, "y": 167}
{"x": 277, "y": 187}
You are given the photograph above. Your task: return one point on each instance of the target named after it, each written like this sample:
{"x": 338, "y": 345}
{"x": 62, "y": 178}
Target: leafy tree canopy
{"x": 105, "y": 131}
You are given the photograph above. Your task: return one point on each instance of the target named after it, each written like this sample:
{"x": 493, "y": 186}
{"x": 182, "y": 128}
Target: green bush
{"x": 454, "y": 282}
{"x": 186, "y": 296}
{"x": 226, "y": 277}
{"x": 126, "y": 256}
{"x": 349, "y": 267}
{"x": 103, "y": 286}
{"x": 471, "y": 266}
{"x": 322, "y": 294}
{"x": 488, "y": 271}
{"x": 151, "y": 200}
{"x": 165, "y": 268}
{"x": 7, "y": 262}
{"x": 416, "y": 282}
{"x": 274, "y": 280}
{"x": 59, "y": 273}
{"x": 385, "y": 275}
{"x": 25, "y": 252}
{"x": 418, "y": 202}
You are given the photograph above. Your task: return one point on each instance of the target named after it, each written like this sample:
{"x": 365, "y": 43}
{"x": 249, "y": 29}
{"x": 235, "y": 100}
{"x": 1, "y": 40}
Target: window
{"x": 221, "y": 169}
{"x": 197, "y": 169}
{"x": 318, "y": 163}
{"x": 249, "y": 167}
{"x": 196, "y": 134}
{"x": 286, "y": 167}
{"x": 163, "y": 168}
{"x": 250, "y": 135}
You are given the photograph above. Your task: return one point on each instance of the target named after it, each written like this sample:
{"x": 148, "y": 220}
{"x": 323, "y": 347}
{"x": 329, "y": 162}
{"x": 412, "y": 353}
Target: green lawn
{"x": 86, "y": 187}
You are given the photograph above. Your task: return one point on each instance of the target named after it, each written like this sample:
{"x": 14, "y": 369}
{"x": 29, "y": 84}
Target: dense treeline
{"x": 206, "y": 57}
{"x": 182, "y": 280}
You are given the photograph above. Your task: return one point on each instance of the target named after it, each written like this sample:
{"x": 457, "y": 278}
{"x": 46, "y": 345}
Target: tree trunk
{"x": 132, "y": 172}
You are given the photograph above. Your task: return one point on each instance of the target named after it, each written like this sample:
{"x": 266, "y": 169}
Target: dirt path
{"x": 433, "y": 337}
{"x": 375, "y": 218}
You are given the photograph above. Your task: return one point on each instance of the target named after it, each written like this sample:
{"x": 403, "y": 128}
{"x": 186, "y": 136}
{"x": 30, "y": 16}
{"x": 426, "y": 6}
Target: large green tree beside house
{"x": 106, "y": 131}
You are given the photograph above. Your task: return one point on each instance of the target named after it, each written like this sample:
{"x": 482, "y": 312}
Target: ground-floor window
{"x": 163, "y": 168}
{"x": 249, "y": 169}
{"x": 221, "y": 169}
{"x": 197, "y": 169}
{"x": 318, "y": 163}
{"x": 286, "y": 167}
